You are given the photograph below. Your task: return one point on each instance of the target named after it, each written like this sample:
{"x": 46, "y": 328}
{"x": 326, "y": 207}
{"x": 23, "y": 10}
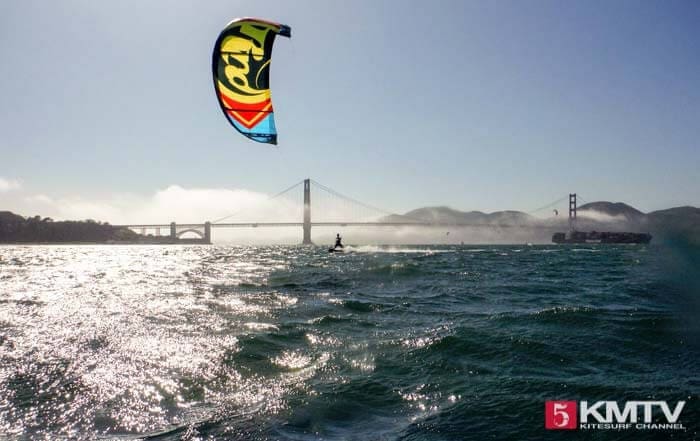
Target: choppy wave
{"x": 415, "y": 343}
{"x": 394, "y": 249}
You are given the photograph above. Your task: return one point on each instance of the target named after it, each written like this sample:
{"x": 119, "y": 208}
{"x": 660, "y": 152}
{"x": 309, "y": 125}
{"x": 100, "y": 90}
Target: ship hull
{"x": 601, "y": 237}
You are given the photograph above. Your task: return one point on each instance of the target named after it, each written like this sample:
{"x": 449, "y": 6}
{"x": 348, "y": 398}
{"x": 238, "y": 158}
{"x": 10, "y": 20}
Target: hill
{"x": 449, "y": 215}
{"x": 683, "y": 222}
{"x": 678, "y": 222}
{"x": 18, "y": 229}
{"x": 618, "y": 211}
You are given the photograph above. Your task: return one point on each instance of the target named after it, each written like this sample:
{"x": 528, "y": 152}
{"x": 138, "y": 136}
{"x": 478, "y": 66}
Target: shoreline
{"x": 102, "y": 243}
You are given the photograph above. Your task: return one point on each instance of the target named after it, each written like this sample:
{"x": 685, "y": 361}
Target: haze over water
{"x": 412, "y": 343}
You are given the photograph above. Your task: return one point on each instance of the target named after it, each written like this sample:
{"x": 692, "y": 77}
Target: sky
{"x": 108, "y": 108}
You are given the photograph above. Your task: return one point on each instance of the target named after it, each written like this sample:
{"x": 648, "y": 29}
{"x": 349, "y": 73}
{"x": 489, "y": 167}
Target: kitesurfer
{"x": 338, "y": 241}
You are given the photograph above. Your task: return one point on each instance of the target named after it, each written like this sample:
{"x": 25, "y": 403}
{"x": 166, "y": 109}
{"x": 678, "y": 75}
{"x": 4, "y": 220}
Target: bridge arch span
{"x": 191, "y": 230}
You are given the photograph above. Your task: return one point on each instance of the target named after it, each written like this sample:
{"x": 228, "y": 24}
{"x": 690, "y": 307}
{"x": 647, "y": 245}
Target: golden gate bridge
{"x": 330, "y": 210}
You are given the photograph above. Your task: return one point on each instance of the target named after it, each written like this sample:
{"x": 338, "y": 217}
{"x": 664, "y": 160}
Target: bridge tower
{"x": 572, "y": 212}
{"x": 207, "y": 232}
{"x": 307, "y": 212}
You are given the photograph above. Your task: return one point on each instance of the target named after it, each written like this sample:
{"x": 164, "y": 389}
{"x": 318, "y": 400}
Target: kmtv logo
{"x": 608, "y": 415}
{"x": 560, "y": 415}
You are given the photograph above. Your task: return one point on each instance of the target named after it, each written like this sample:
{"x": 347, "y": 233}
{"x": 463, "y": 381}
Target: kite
{"x": 241, "y": 70}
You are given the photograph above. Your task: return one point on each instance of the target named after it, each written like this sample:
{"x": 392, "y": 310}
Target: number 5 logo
{"x": 560, "y": 415}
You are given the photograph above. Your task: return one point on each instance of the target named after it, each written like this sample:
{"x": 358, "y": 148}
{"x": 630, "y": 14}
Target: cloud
{"x": 599, "y": 216}
{"x": 174, "y": 203}
{"x": 9, "y": 185}
{"x": 38, "y": 199}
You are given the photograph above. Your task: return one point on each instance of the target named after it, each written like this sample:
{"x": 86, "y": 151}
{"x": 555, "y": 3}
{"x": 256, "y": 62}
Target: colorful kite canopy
{"x": 241, "y": 68}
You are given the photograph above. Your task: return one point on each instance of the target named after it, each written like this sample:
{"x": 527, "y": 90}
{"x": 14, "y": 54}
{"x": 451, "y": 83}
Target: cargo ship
{"x": 601, "y": 237}
{"x": 575, "y": 236}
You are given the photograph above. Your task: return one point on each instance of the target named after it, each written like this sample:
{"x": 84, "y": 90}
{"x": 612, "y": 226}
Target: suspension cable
{"x": 368, "y": 206}
{"x": 362, "y": 204}
{"x": 550, "y": 205}
{"x": 266, "y": 200}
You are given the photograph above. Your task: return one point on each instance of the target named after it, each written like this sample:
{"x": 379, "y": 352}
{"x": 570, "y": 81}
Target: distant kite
{"x": 556, "y": 212}
{"x": 241, "y": 70}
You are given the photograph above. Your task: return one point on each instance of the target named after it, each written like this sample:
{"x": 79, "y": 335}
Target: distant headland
{"x": 673, "y": 223}
{"x": 18, "y": 229}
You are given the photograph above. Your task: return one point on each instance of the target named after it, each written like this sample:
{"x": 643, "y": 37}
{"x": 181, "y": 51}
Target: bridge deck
{"x": 338, "y": 224}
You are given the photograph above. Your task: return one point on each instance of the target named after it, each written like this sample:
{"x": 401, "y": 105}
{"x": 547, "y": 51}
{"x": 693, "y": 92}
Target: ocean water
{"x": 379, "y": 343}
